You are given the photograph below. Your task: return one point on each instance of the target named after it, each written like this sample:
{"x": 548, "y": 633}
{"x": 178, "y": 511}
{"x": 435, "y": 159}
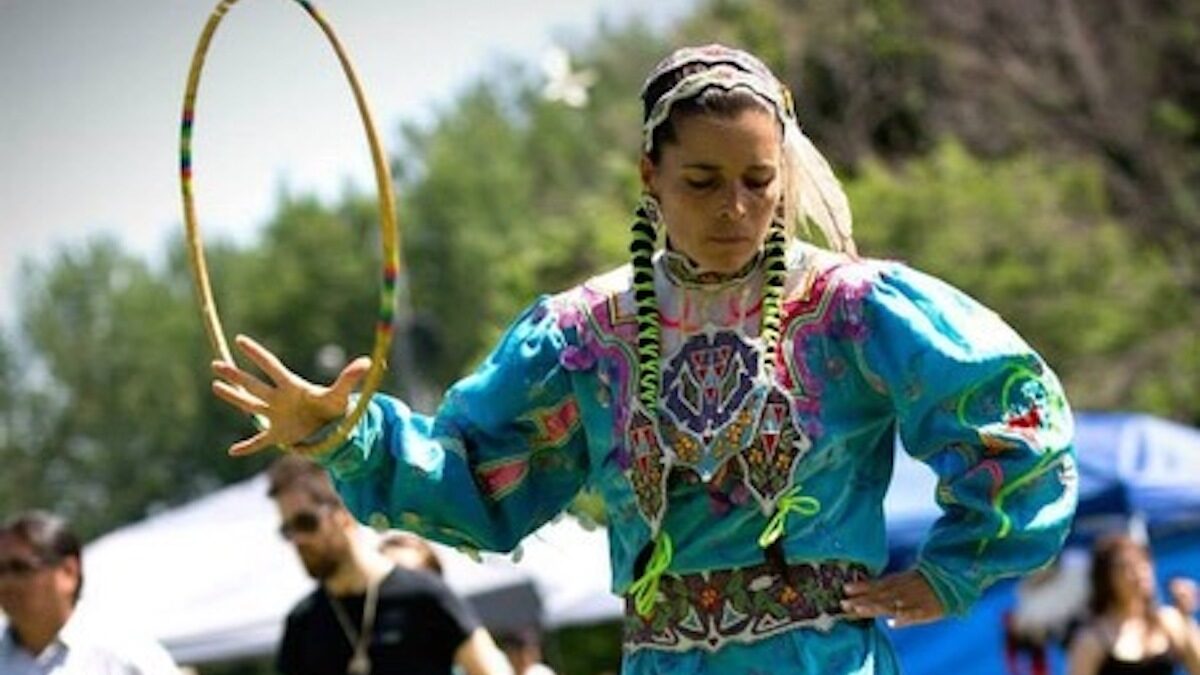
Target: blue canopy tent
{"x": 1131, "y": 466}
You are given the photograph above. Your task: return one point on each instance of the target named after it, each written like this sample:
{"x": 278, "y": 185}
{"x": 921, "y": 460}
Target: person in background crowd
{"x": 524, "y": 651}
{"x": 367, "y": 616}
{"x": 1129, "y": 632}
{"x": 41, "y": 579}
{"x": 410, "y": 551}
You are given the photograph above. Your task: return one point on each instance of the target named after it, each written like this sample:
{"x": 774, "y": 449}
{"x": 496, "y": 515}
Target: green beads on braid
{"x": 644, "y": 589}
{"x": 775, "y": 276}
{"x": 649, "y": 344}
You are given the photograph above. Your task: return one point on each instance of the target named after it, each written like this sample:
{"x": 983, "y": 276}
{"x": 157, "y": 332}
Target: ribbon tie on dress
{"x": 792, "y": 502}
{"x": 645, "y": 589}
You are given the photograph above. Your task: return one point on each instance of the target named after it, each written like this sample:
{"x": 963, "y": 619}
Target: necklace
{"x": 683, "y": 271}
{"x": 360, "y": 640}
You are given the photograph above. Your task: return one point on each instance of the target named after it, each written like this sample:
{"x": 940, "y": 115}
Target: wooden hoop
{"x": 390, "y": 237}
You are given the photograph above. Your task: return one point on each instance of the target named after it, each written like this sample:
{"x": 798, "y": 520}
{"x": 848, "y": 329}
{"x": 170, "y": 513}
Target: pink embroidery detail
{"x": 555, "y": 425}
{"x": 500, "y": 480}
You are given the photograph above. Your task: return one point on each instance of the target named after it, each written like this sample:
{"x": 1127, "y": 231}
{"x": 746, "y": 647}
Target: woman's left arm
{"x": 1180, "y": 620}
{"x": 983, "y": 410}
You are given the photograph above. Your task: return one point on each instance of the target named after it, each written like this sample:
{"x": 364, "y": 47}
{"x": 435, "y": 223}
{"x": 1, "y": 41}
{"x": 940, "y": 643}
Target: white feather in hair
{"x": 819, "y": 196}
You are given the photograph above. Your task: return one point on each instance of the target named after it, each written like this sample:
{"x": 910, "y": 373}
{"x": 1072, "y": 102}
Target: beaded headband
{"x": 728, "y": 69}
{"x": 711, "y": 55}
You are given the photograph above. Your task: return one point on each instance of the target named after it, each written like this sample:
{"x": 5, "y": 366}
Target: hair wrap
{"x": 720, "y": 76}
{"x": 812, "y": 193}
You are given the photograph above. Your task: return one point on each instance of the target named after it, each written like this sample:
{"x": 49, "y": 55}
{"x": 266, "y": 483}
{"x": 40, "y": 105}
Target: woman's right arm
{"x": 1086, "y": 654}
{"x": 504, "y": 454}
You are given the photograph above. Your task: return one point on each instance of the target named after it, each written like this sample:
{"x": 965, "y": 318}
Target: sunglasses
{"x": 305, "y": 522}
{"x": 21, "y": 567}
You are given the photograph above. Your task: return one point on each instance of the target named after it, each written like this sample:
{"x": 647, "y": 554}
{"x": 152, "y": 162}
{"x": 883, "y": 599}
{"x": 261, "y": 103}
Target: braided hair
{"x": 712, "y": 101}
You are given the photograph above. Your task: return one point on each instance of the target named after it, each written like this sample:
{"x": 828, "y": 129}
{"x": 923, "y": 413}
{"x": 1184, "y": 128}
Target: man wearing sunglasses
{"x": 367, "y": 616}
{"x": 41, "y": 578}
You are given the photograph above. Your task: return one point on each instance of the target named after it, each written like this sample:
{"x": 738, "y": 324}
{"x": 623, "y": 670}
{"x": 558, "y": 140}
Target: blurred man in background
{"x": 41, "y": 578}
{"x": 367, "y": 616}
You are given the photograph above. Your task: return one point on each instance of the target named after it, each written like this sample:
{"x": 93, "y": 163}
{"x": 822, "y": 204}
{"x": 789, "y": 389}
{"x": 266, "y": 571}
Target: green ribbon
{"x": 645, "y": 589}
{"x": 792, "y": 502}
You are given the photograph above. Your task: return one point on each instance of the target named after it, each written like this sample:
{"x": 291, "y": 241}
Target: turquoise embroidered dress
{"x": 739, "y": 447}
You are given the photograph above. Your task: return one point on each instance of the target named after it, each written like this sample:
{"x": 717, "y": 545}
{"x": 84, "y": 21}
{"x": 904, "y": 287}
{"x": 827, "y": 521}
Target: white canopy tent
{"x": 212, "y": 580}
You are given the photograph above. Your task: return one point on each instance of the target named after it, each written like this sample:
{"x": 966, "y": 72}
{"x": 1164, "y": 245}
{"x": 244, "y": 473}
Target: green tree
{"x": 507, "y": 196}
{"x": 114, "y": 342}
{"x": 310, "y": 285}
{"x": 123, "y": 420}
{"x": 1034, "y": 239}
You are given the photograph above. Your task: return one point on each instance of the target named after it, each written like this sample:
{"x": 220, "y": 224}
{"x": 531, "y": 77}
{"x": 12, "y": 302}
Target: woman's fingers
{"x": 250, "y": 405}
{"x": 1183, "y": 594}
{"x": 913, "y": 617}
{"x": 264, "y": 359}
{"x": 291, "y": 406}
{"x": 249, "y": 446}
{"x": 350, "y": 376}
{"x": 872, "y": 598}
{"x": 905, "y": 597}
{"x": 239, "y": 398}
{"x": 231, "y": 373}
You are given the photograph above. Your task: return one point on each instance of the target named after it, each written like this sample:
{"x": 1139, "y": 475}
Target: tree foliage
{"x": 121, "y": 358}
{"x": 1034, "y": 240}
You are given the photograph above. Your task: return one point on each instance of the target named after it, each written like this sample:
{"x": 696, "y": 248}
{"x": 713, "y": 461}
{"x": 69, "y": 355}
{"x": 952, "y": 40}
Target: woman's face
{"x": 1132, "y": 574}
{"x": 719, "y": 185}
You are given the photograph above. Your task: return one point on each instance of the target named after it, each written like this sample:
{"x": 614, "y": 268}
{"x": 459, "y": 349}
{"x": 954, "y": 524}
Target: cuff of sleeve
{"x": 350, "y": 457}
{"x": 956, "y": 594}
{"x": 323, "y": 432}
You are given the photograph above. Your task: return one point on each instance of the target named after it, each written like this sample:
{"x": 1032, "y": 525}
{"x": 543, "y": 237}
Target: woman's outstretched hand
{"x": 293, "y": 407}
{"x": 905, "y": 597}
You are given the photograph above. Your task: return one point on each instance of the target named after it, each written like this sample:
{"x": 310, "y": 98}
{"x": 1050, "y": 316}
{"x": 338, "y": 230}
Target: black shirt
{"x": 419, "y": 624}
{"x": 1159, "y": 664}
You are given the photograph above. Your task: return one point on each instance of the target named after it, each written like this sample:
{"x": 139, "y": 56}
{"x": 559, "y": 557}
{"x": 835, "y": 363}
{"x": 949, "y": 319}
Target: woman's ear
{"x": 649, "y": 173}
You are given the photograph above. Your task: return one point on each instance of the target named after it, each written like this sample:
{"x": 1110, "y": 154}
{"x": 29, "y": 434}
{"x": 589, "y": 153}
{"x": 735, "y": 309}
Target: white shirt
{"x": 79, "y": 649}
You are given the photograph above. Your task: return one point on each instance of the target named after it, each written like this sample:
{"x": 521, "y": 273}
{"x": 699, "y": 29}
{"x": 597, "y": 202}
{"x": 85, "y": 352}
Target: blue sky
{"x": 91, "y": 93}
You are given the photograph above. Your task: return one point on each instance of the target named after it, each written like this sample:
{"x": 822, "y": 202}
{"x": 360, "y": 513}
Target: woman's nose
{"x": 734, "y": 206}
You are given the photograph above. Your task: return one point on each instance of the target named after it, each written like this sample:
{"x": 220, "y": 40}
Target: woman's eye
{"x": 701, "y": 183}
{"x": 759, "y": 184}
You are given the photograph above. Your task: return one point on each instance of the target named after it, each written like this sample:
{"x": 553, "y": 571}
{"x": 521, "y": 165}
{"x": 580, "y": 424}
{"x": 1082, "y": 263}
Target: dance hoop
{"x": 387, "y": 220}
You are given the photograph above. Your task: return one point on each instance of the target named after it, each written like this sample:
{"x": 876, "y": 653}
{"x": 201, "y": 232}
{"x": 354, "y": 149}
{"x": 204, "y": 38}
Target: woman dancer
{"x": 734, "y": 395}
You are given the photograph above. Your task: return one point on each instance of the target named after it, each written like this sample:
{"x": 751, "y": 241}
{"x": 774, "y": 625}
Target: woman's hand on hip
{"x": 905, "y": 597}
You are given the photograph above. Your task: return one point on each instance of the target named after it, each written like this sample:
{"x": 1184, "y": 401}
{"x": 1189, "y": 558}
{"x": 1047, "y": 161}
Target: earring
{"x": 650, "y": 211}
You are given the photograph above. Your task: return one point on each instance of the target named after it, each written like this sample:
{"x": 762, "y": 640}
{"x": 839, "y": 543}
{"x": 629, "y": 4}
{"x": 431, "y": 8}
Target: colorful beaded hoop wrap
{"x": 390, "y": 237}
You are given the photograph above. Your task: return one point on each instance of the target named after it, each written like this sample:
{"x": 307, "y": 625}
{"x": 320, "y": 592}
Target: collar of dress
{"x": 683, "y": 271}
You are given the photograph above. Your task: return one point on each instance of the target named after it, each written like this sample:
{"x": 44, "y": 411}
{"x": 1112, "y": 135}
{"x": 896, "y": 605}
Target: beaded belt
{"x": 710, "y": 609}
